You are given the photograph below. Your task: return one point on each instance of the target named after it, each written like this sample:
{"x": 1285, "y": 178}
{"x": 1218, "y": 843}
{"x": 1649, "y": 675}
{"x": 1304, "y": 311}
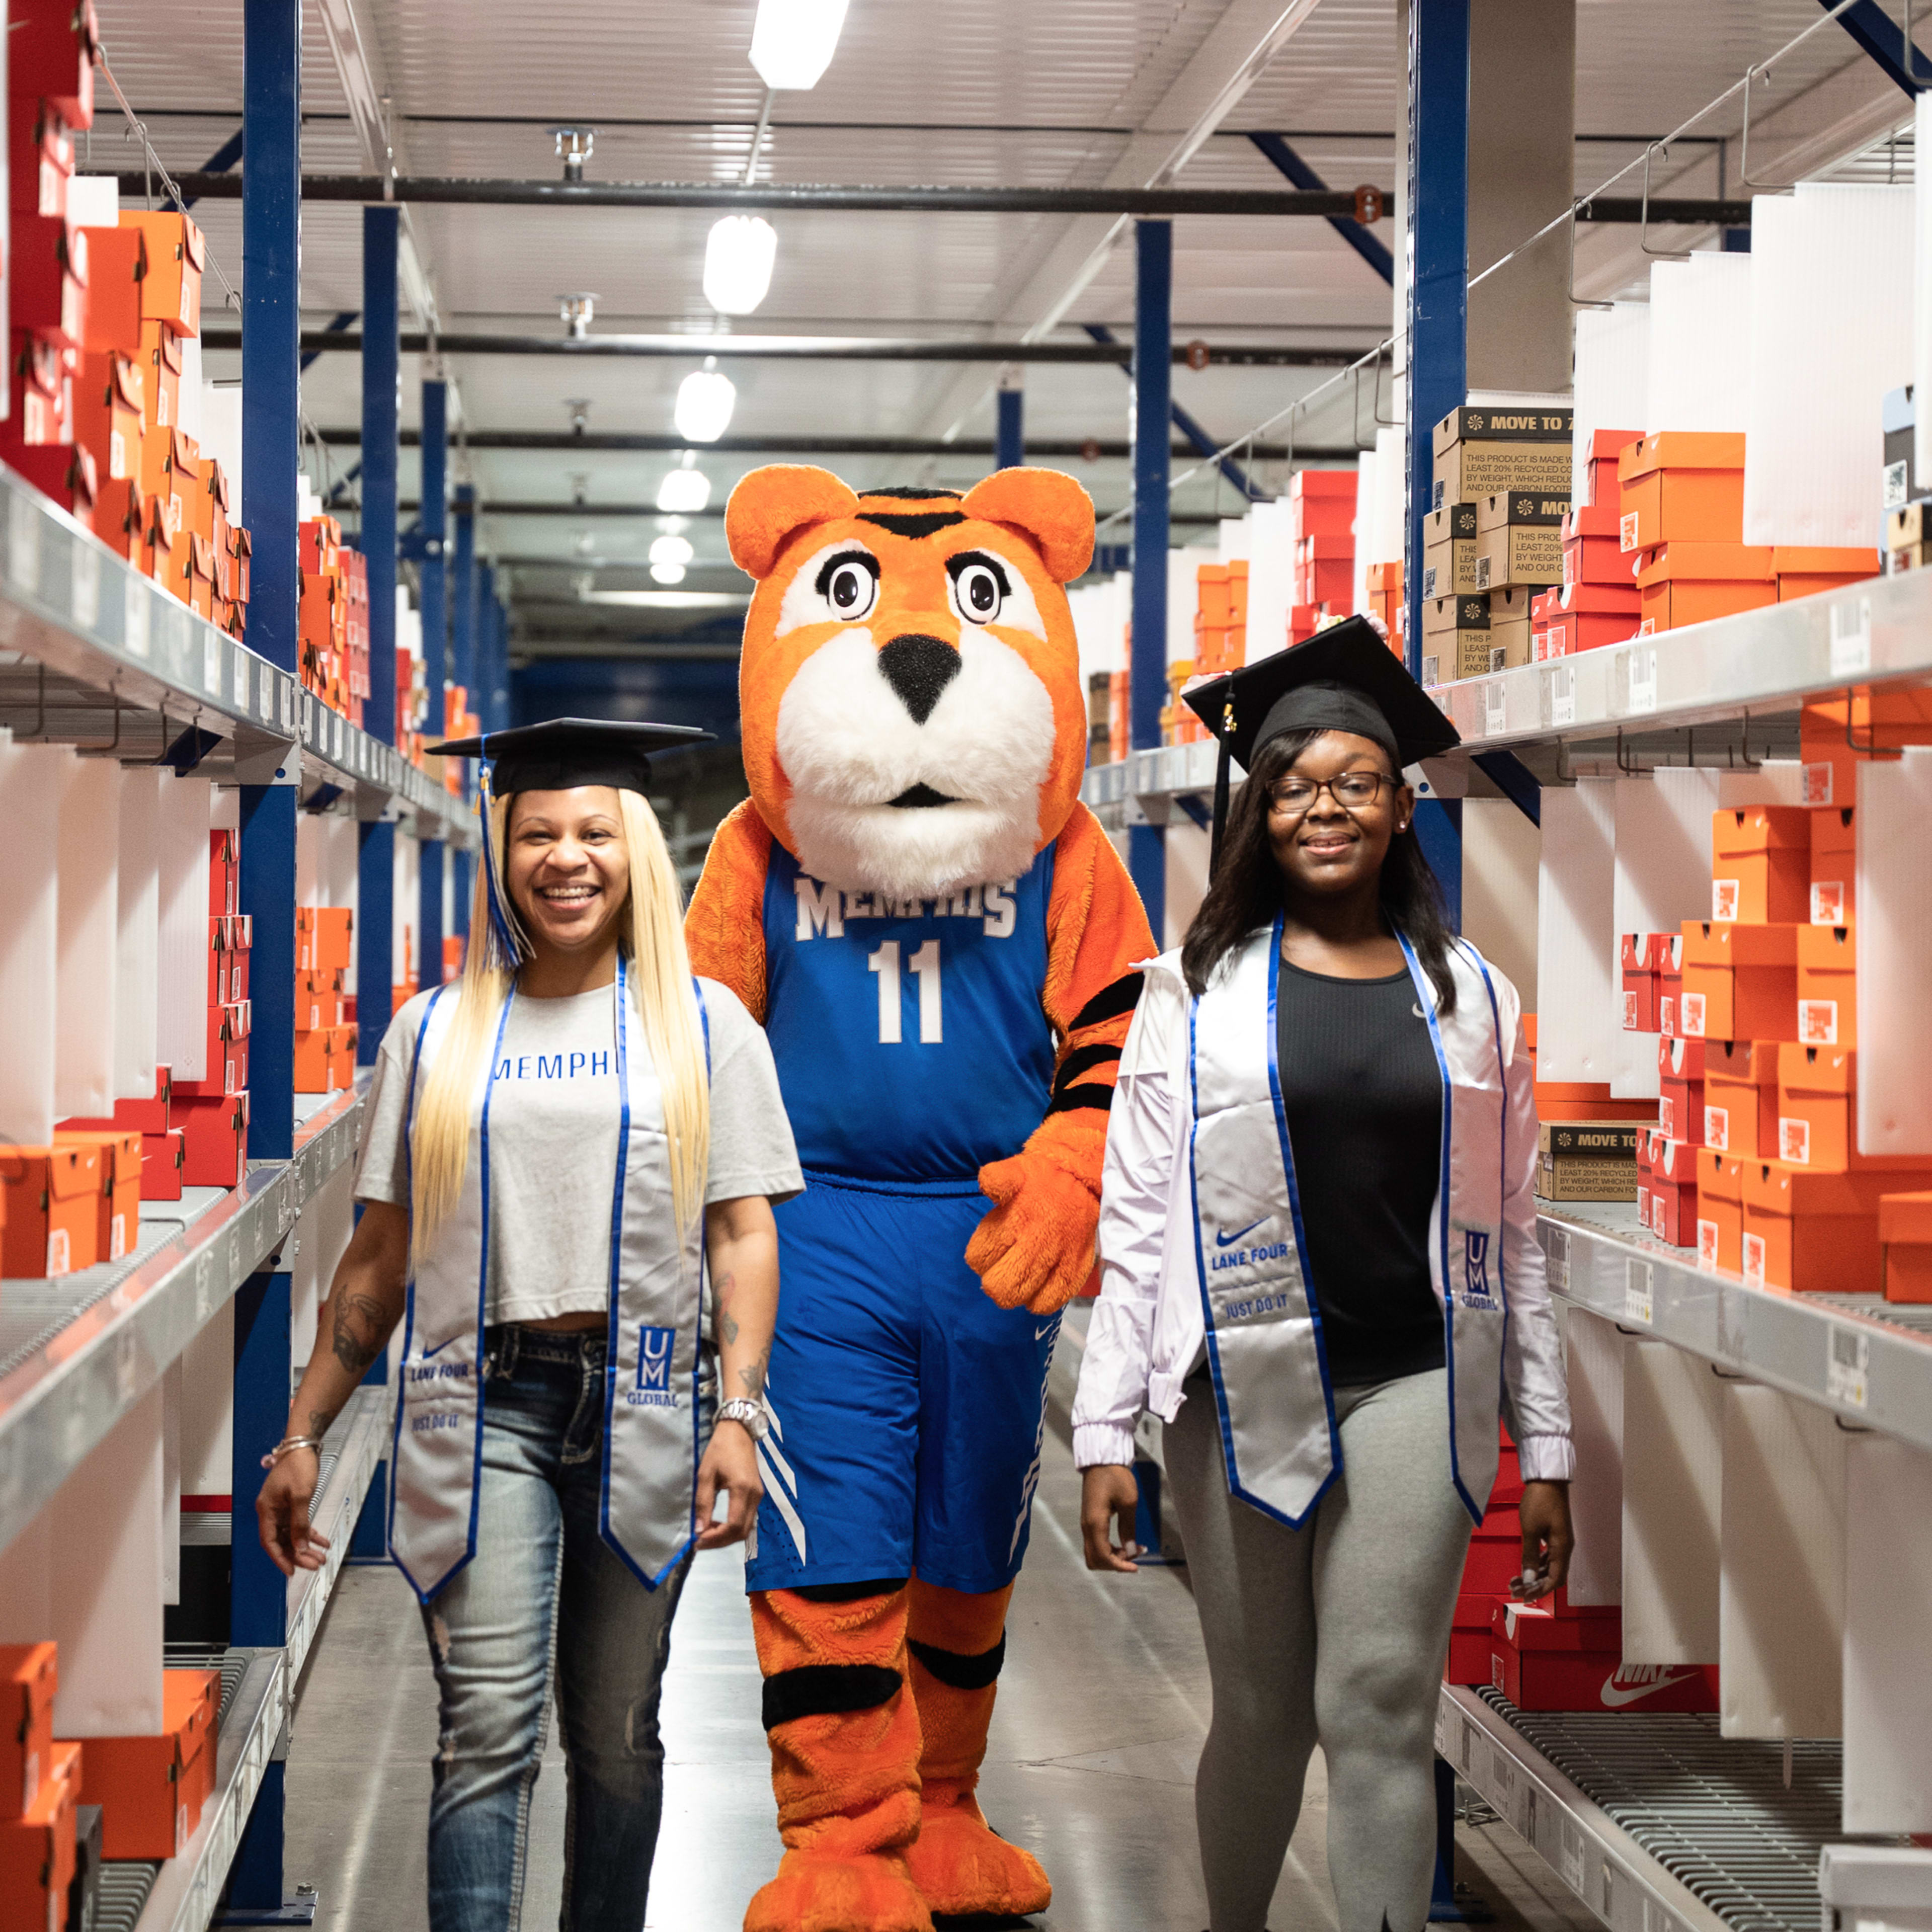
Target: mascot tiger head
{"x": 910, "y": 688}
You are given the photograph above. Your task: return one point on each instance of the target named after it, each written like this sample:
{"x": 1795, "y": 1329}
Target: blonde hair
{"x": 662, "y": 996}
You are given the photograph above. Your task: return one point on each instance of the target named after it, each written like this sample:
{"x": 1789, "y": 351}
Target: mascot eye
{"x": 851, "y": 589}
{"x": 979, "y": 588}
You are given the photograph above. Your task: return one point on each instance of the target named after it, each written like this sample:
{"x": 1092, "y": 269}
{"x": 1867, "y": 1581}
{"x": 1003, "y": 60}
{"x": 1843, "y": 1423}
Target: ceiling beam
{"x": 639, "y": 510}
{"x": 602, "y": 441}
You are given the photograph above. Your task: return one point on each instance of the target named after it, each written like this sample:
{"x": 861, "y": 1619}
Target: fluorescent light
{"x": 738, "y": 259}
{"x": 666, "y": 573}
{"x": 670, "y": 600}
{"x": 684, "y": 491}
{"x": 671, "y": 550}
{"x": 705, "y": 400}
{"x": 792, "y": 41}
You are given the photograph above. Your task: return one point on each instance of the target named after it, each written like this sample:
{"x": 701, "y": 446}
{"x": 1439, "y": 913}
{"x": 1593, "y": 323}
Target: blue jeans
{"x": 543, "y": 1590}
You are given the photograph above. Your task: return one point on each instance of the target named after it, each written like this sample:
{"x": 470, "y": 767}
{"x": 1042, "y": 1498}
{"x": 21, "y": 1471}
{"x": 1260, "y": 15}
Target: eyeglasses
{"x": 1353, "y": 791}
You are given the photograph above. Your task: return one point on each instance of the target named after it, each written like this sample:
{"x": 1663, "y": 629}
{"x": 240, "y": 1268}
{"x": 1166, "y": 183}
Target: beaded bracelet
{"x": 288, "y": 1445}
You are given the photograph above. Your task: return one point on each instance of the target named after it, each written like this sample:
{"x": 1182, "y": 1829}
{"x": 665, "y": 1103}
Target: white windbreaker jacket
{"x": 1150, "y": 1329}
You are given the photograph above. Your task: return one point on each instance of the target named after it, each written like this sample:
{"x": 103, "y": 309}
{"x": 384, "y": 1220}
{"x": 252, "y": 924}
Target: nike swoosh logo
{"x": 1041, "y": 1334}
{"x": 1228, "y": 1240}
{"x": 437, "y": 1350}
{"x": 1418, "y": 1012}
{"x": 1614, "y": 1694}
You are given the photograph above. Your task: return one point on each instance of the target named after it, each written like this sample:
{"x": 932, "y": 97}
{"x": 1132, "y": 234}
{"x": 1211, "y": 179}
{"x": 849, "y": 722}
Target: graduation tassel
{"x": 504, "y": 940}
{"x": 1221, "y": 787}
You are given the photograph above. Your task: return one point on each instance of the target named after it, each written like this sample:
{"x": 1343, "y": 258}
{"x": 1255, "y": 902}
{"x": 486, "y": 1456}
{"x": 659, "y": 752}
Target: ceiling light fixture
{"x": 685, "y": 491}
{"x": 668, "y": 573}
{"x": 792, "y": 41}
{"x": 671, "y": 550}
{"x": 705, "y": 400}
{"x": 574, "y": 146}
{"x": 578, "y": 310}
{"x": 738, "y": 257}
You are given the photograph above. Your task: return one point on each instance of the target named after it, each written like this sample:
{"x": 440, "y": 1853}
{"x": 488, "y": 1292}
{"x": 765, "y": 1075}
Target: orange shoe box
{"x": 1827, "y": 1007}
{"x": 1761, "y": 864}
{"x": 1720, "y": 1209}
{"x": 171, "y": 289}
{"x": 1834, "y": 866}
{"x": 37, "y": 1849}
{"x": 1905, "y": 1236}
{"x": 1689, "y": 582}
{"x": 53, "y": 1209}
{"x": 1817, "y": 1233}
{"x": 1802, "y": 571}
{"x": 151, "y": 1789}
{"x": 1740, "y": 982}
{"x": 119, "y": 1223}
{"x": 1681, "y": 485}
{"x": 29, "y": 1676}
{"x": 1673, "y": 1192}
{"x": 1741, "y": 1097}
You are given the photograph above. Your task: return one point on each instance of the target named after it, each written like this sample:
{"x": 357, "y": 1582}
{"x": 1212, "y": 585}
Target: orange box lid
{"x": 1739, "y": 831}
{"x": 1211, "y": 573}
{"x": 1833, "y": 828}
{"x": 1707, "y": 943}
{"x": 1827, "y": 949}
{"x": 1816, "y": 560}
{"x": 1747, "y": 1063}
{"x": 1816, "y": 1069}
{"x": 1677, "y": 562}
{"x": 34, "y": 1669}
{"x": 1904, "y": 1218}
{"x": 1719, "y": 1175}
{"x": 1321, "y": 483}
{"x": 1778, "y": 1189}
{"x": 1672, "y": 1161}
{"x": 68, "y": 1169}
{"x": 1681, "y": 449}
{"x": 1606, "y": 443}
{"x": 120, "y": 1148}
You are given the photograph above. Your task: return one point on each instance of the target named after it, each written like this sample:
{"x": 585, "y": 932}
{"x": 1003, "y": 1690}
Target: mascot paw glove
{"x": 1035, "y": 1249}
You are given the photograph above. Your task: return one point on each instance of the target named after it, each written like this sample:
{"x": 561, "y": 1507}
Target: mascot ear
{"x": 1049, "y": 506}
{"x": 769, "y": 504}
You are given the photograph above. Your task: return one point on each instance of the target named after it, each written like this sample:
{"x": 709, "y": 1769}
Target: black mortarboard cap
{"x": 564, "y": 752}
{"x": 1343, "y": 679}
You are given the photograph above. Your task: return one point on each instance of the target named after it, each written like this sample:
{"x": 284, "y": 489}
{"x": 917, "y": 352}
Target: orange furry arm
{"x": 724, "y": 925}
{"x": 1036, "y": 1247}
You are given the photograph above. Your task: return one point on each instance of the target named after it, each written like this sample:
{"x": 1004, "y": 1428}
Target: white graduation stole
{"x": 651, "y": 1422}
{"x": 1264, "y": 1349}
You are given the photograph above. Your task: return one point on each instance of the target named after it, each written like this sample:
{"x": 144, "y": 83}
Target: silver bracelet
{"x": 748, "y": 1412}
{"x": 288, "y": 1445}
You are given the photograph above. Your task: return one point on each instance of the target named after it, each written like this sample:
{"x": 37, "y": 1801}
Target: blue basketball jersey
{"x": 910, "y": 1041}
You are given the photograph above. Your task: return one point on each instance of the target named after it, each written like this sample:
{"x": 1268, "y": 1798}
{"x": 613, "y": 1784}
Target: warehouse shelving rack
{"x": 1728, "y": 690}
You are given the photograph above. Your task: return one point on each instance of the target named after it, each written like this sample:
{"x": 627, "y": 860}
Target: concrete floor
{"x": 1103, "y": 1708}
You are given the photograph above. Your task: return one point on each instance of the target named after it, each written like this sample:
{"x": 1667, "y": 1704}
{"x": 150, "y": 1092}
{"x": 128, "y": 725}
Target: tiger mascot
{"x": 936, "y": 936}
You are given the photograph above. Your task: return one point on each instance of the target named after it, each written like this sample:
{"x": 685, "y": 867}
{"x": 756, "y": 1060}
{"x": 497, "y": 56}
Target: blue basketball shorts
{"x": 906, "y": 1408}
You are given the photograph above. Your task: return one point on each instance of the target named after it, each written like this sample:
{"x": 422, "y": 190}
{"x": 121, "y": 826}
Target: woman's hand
{"x": 1547, "y": 1540}
{"x": 281, "y": 1513}
{"x": 1109, "y": 1494}
{"x": 731, "y": 1464}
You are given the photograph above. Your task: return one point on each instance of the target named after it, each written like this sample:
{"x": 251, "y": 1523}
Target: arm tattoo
{"x": 358, "y": 1322}
{"x": 752, "y": 1379}
{"x": 319, "y": 1420}
{"x": 727, "y": 1323}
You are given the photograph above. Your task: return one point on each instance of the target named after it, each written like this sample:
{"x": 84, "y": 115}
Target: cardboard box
{"x": 1673, "y": 1192}
{"x": 1692, "y": 583}
{"x": 1519, "y": 538}
{"x": 1449, "y": 551}
{"x": 161, "y": 371}
{"x": 163, "y": 1158}
{"x": 1479, "y": 451}
{"x": 1597, "y": 560}
{"x": 40, "y": 158}
{"x": 1455, "y": 638}
{"x": 1804, "y": 571}
{"x": 53, "y": 1209}
{"x": 47, "y": 260}
{"x": 118, "y": 1221}
{"x": 1741, "y": 1097}
{"x": 29, "y": 1676}
{"x": 1720, "y": 1209}
{"x": 1740, "y": 982}
{"x": 37, "y": 1849}
{"x": 1817, "y": 1233}
{"x": 1905, "y": 1239}
{"x": 1592, "y": 1160}
{"x": 1680, "y": 1104}
{"x": 151, "y": 1789}
{"x": 171, "y": 289}
{"x": 1834, "y": 866}
{"x": 1667, "y": 956}
{"x": 1588, "y": 519}
{"x": 224, "y": 870}
{"x": 107, "y": 415}
{"x": 50, "y": 54}
{"x": 1827, "y": 992}
{"x": 323, "y": 938}
{"x": 215, "y": 1144}
{"x": 1761, "y": 864}
{"x": 1538, "y": 1668}
{"x": 1639, "y": 967}
{"x": 117, "y": 264}
{"x": 1680, "y": 485}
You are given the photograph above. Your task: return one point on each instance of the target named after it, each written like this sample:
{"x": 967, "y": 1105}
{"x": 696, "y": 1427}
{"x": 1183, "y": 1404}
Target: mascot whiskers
{"x": 938, "y": 938}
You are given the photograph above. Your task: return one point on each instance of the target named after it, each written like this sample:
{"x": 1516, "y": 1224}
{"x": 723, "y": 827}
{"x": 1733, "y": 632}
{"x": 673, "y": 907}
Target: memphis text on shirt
{"x": 825, "y": 909}
{"x": 555, "y": 1065}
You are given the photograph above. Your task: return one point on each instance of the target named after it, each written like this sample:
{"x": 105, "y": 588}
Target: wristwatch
{"x": 749, "y": 1413}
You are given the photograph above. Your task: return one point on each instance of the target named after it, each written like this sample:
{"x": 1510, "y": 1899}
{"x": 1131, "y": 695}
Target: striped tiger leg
{"x": 959, "y": 1863}
{"x": 845, "y": 1743}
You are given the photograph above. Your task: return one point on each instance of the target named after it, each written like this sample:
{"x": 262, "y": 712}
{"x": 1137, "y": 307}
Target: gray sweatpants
{"x": 1332, "y": 1633}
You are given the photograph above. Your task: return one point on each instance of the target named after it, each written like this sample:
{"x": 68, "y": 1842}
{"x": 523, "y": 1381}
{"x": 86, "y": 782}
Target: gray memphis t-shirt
{"x": 553, "y": 1118}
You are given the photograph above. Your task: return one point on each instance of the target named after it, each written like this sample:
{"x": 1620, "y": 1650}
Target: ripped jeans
{"x": 543, "y": 1590}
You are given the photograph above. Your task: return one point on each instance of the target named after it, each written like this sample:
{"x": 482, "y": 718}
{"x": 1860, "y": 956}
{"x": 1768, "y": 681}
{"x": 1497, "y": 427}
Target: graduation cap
{"x": 564, "y": 752}
{"x": 556, "y": 755}
{"x": 1343, "y": 679}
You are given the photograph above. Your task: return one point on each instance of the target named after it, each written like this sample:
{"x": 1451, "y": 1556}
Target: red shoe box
{"x": 216, "y": 1146}
{"x": 1542, "y": 1662}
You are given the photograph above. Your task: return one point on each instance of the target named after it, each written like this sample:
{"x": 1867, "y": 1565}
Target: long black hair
{"x": 1247, "y": 888}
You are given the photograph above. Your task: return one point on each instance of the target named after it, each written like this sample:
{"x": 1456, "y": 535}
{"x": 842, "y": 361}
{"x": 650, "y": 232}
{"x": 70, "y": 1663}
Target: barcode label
{"x": 1637, "y": 1299}
{"x": 1848, "y": 1365}
{"x": 1562, "y": 693}
{"x": 1851, "y": 636}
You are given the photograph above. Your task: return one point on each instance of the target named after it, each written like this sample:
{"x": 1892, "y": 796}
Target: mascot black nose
{"x": 918, "y": 668}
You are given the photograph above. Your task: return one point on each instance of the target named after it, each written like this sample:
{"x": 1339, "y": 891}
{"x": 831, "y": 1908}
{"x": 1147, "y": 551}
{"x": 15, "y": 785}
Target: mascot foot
{"x": 962, "y": 1867}
{"x": 821, "y": 1891}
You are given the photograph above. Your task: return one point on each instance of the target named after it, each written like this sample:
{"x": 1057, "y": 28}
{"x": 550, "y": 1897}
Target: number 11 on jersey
{"x": 924, "y": 964}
